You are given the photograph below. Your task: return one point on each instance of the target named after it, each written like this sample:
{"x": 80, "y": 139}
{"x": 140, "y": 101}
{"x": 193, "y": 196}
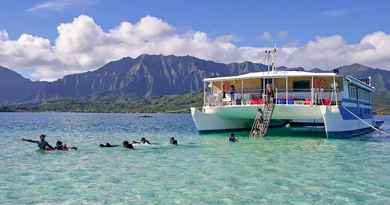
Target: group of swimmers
{"x": 44, "y": 145}
{"x": 126, "y": 144}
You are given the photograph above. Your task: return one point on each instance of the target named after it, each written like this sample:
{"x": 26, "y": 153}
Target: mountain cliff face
{"x": 145, "y": 76}
{"x": 14, "y": 87}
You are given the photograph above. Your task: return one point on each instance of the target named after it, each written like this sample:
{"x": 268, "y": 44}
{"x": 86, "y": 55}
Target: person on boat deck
{"x": 173, "y": 141}
{"x": 63, "y": 147}
{"x": 142, "y": 141}
{"x": 127, "y": 145}
{"x": 232, "y": 92}
{"x": 42, "y": 143}
{"x": 108, "y": 145}
{"x": 232, "y": 138}
{"x": 225, "y": 89}
{"x": 269, "y": 91}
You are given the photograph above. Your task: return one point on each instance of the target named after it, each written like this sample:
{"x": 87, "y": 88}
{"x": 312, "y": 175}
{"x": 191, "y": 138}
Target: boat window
{"x": 364, "y": 95}
{"x": 301, "y": 85}
{"x": 352, "y": 92}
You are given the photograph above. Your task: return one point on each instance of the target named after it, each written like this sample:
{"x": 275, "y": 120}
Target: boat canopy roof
{"x": 284, "y": 74}
{"x": 272, "y": 74}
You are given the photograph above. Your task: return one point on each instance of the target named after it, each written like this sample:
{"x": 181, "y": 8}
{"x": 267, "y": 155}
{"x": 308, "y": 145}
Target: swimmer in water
{"x": 127, "y": 145}
{"x": 232, "y": 138}
{"x": 108, "y": 145}
{"x": 173, "y": 141}
{"x": 42, "y": 143}
{"x": 142, "y": 141}
{"x": 63, "y": 147}
{"x": 145, "y": 141}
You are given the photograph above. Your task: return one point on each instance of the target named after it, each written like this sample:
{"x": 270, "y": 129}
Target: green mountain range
{"x": 143, "y": 84}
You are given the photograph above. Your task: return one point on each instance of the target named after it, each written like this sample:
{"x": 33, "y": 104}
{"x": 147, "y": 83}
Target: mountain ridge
{"x": 146, "y": 76}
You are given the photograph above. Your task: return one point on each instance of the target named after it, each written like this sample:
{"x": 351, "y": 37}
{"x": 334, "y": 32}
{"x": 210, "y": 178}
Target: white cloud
{"x": 82, "y": 45}
{"x": 3, "y": 35}
{"x": 59, "y": 5}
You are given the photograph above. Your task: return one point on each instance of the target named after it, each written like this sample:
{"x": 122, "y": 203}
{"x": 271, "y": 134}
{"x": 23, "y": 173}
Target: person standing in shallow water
{"x": 42, "y": 143}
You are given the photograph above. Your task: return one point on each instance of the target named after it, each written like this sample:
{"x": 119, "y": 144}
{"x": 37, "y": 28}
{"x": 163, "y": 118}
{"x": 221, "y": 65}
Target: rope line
{"x": 373, "y": 127}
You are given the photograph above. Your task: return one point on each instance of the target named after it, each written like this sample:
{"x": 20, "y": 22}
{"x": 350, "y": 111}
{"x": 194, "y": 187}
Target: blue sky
{"x": 303, "y": 20}
{"x": 47, "y": 39}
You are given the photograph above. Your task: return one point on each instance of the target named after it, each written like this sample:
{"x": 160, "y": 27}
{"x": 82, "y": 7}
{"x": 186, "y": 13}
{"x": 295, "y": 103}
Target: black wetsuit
{"x": 173, "y": 141}
{"x": 232, "y": 139}
{"x": 108, "y": 145}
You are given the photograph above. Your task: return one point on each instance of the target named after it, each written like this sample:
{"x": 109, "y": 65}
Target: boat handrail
{"x": 293, "y": 96}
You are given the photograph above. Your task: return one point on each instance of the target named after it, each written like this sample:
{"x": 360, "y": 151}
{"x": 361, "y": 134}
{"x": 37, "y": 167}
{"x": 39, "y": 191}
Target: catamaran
{"x": 339, "y": 105}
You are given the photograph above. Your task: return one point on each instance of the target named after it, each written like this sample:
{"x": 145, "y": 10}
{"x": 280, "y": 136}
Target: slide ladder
{"x": 262, "y": 121}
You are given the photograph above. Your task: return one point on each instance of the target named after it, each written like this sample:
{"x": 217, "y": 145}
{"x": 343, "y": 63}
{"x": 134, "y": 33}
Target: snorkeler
{"x": 108, "y": 145}
{"x": 127, "y": 145}
{"x": 42, "y": 143}
{"x": 142, "y": 141}
{"x": 63, "y": 147}
{"x": 233, "y": 138}
{"x": 145, "y": 141}
{"x": 173, "y": 141}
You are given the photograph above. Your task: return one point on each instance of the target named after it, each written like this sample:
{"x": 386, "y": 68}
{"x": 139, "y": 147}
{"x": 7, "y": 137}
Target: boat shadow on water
{"x": 272, "y": 133}
{"x": 298, "y": 132}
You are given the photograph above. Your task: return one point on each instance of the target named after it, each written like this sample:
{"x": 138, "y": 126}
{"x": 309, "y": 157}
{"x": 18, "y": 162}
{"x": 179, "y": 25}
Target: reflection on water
{"x": 284, "y": 168}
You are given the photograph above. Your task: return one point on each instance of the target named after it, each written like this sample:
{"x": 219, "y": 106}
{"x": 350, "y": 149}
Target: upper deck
{"x": 272, "y": 74}
{"x": 290, "y": 87}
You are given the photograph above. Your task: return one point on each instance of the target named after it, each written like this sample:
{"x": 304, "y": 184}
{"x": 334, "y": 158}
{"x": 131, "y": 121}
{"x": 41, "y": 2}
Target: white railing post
{"x": 263, "y": 94}
{"x": 334, "y": 88}
{"x": 204, "y": 93}
{"x": 242, "y": 92}
{"x": 312, "y": 90}
{"x": 276, "y": 95}
{"x": 286, "y": 90}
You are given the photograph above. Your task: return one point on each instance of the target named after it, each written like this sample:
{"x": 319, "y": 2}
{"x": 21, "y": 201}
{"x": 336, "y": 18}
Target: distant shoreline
{"x": 161, "y": 104}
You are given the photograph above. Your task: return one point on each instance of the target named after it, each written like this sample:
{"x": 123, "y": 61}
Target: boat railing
{"x": 293, "y": 96}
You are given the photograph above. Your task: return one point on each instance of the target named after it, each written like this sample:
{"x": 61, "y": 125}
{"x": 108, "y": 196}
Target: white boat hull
{"x": 336, "y": 123}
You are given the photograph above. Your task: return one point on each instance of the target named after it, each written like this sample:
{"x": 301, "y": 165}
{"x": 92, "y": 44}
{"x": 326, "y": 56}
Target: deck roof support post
{"x": 263, "y": 88}
{"x": 204, "y": 93}
{"x": 242, "y": 91}
{"x": 334, "y": 89}
{"x": 312, "y": 90}
{"x": 286, "y": 89}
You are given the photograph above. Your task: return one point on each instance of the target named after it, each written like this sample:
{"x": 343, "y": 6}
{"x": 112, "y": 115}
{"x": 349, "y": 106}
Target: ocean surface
{"x": 285, "y": 168}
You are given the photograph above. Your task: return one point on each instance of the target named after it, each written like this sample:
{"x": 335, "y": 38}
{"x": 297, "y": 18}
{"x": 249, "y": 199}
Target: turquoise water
{"x": 203, "y": 169}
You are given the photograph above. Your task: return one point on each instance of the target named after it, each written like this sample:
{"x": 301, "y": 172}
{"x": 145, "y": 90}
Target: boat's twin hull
{"x": 241, "y": 117}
